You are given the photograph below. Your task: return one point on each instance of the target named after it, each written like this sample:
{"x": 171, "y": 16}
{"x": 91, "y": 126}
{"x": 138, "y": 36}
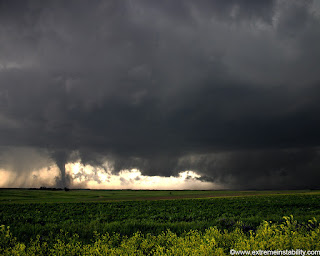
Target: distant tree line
{"x": 51, "y": 189}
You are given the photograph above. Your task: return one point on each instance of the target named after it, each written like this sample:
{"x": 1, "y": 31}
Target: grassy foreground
{"x": 287, "y": 236}
{"x": 206, "y": 226}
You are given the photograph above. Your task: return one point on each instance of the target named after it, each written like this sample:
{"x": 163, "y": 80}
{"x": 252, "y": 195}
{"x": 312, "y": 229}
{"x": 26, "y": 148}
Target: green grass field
{"x": 77, "y": 216}
{"x": 77, "y": 196}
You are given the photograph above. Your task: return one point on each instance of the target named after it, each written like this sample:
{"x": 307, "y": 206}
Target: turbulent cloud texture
{"x": 229, "y": 89}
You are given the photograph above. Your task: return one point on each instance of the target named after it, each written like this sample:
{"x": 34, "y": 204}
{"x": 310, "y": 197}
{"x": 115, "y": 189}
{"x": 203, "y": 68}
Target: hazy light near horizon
{"x": 98, "y": 178}
{"x": 87, "y": 176}
{"x": 42, "y": 177}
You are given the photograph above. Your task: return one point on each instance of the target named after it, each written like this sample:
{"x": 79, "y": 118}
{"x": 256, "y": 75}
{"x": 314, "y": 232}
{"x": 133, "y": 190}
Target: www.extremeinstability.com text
{"x": 274, "y": 252}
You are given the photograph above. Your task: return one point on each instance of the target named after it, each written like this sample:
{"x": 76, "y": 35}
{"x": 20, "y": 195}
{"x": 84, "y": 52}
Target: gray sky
{"x": 230, "y": 89}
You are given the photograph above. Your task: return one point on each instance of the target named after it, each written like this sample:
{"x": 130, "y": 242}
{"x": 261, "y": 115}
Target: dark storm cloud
{"x": 227, "y": 88}
{"x": 258, "y": 169}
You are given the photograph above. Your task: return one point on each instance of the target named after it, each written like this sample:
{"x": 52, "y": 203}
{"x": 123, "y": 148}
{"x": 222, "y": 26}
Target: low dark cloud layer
{"x": 230, "y": 89}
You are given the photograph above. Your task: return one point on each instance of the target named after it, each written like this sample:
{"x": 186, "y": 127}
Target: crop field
{"x": 93, "y": 222}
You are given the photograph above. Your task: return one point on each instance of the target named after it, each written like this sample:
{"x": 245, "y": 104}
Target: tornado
{"x": 60, "y": 157}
